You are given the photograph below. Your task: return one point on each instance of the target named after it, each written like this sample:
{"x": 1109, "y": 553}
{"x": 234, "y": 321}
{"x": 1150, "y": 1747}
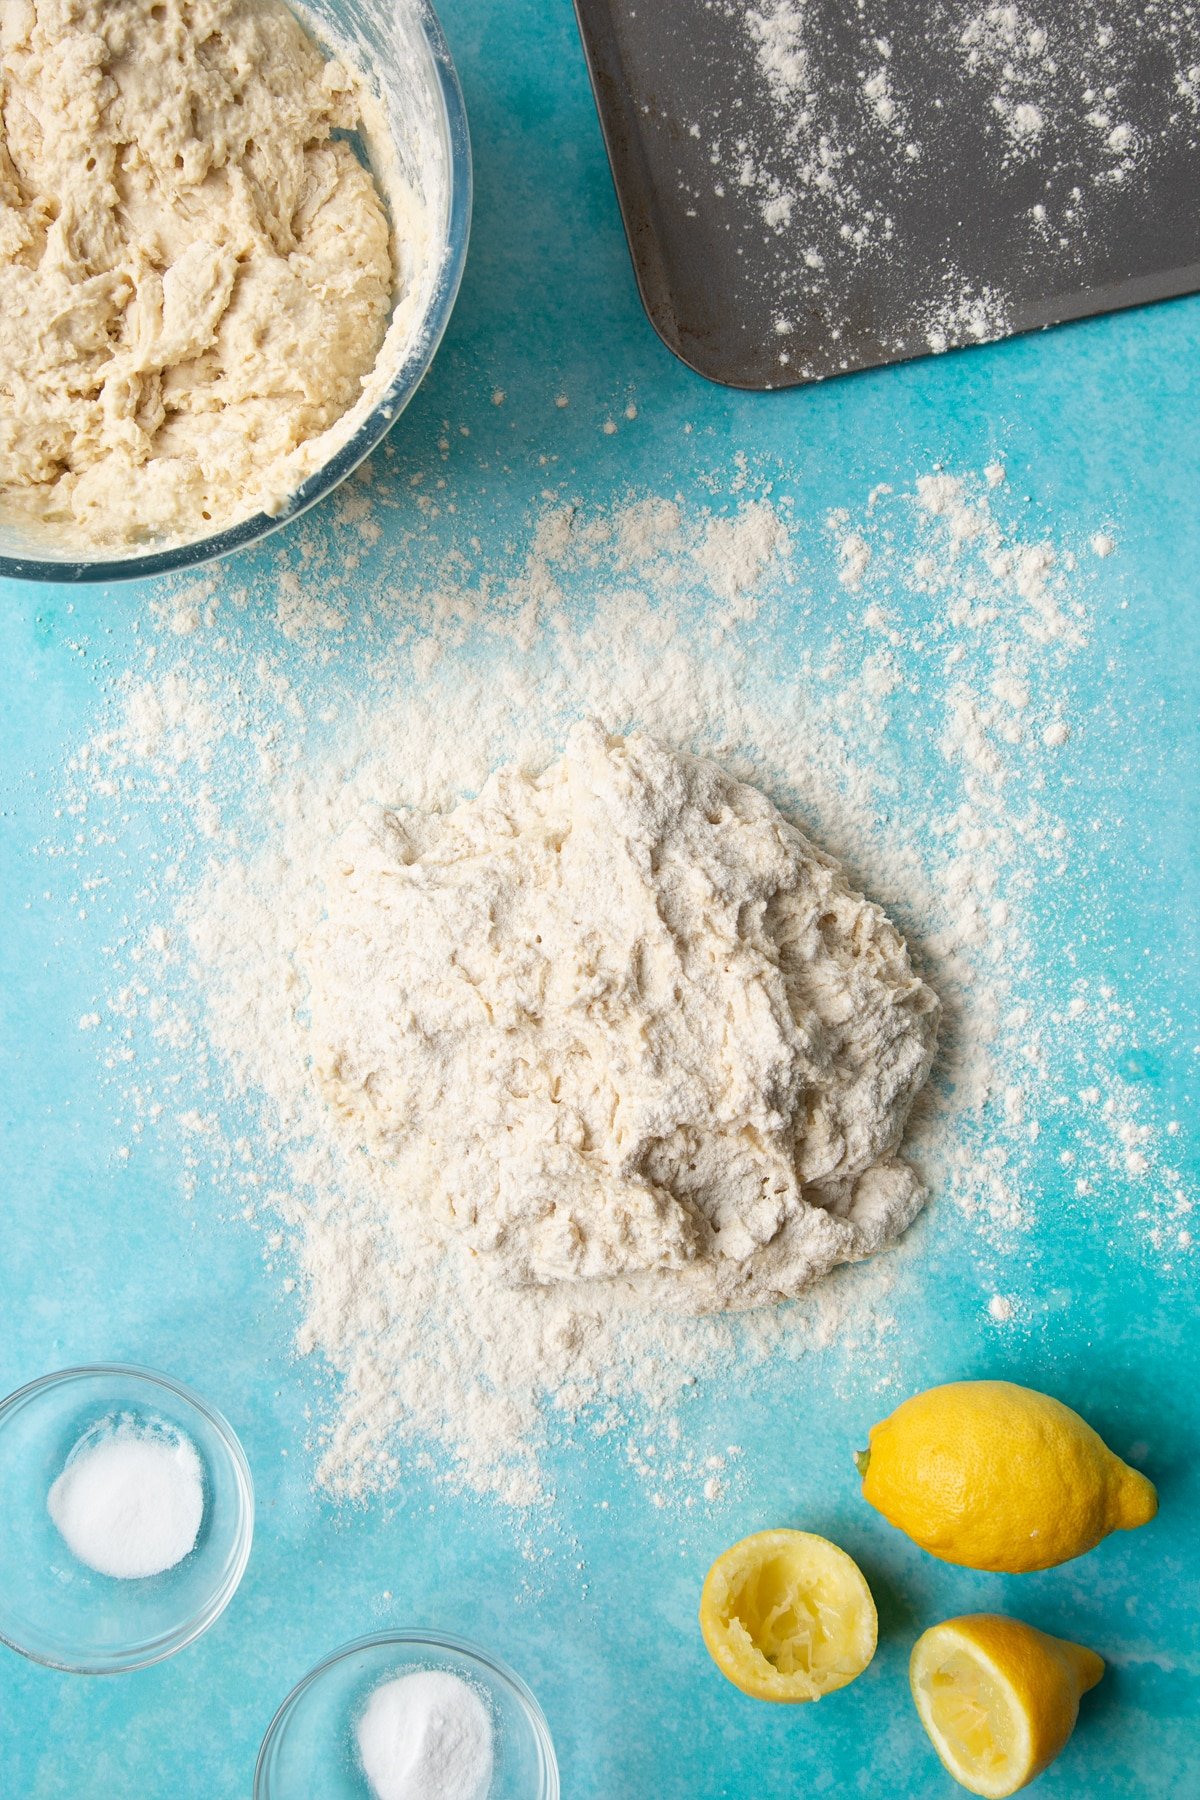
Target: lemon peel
{"x": 998, "y": 1698}
{"x": 788, "y": 1616}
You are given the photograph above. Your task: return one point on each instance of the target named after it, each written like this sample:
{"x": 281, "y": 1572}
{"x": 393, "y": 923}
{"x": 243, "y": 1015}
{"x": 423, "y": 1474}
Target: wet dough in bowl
{"x": 195, "y": 272}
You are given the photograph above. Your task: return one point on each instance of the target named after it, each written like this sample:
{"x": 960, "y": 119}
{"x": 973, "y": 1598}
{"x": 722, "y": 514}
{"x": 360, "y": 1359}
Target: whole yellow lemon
{"x": 995, "y": 1476}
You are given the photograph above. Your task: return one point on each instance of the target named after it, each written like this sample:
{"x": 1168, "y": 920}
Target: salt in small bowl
{"x": 310, "y": 1751}
{"x": 53, "y": 1607}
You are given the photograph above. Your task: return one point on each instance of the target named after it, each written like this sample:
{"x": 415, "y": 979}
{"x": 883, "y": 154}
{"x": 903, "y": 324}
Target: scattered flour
{"x": 966, "y": 314}
{"x": 777, "y": 32}
{"x": 941, "y": 664}
{"x": 1066, "y": 77}
{"x": 842, "y": 113}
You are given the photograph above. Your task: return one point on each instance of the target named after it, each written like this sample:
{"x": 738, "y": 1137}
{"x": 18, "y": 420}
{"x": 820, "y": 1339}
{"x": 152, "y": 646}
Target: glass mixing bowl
{"x": 310, "y": 1753}
{"x": 400, "y": 44}
{"x": 54, "y": 1608}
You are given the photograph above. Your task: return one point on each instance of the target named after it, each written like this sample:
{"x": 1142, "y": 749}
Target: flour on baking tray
{"x": 825, "y": 92}
{"x": 925, "y": 624}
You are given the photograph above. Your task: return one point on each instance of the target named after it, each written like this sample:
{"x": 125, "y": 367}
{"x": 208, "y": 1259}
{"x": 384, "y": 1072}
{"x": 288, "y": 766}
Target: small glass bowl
{"x": 310, "y": 1753}
{"x": 54, "y": 1608}
{"x": 400, "y": 43}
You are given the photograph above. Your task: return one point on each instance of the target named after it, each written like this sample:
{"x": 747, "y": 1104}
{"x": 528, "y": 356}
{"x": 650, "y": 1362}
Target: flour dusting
{"x": 878, "y": 182}
{"x": 935, "y": 637}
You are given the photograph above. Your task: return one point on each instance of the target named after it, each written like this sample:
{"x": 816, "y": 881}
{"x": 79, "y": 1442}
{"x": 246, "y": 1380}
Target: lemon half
{"x": 788, "y": 1616}
{"x": 998, "y": 1698}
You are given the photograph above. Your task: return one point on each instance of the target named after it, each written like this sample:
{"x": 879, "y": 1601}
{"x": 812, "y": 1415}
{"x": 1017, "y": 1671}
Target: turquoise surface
{"x": 1097, "y": 425}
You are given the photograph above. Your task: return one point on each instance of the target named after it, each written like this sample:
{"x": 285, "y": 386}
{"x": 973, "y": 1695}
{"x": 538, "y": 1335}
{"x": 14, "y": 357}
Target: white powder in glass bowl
{"x": 426, "y": 1736}
{"x": 130, "y": 1501}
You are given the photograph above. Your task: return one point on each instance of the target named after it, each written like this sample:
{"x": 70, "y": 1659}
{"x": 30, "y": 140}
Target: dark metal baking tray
{"x": 811, "y": 187}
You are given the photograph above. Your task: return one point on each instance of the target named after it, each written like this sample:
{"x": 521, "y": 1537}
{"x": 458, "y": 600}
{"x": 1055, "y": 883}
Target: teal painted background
{"x": 1097, "y": 424}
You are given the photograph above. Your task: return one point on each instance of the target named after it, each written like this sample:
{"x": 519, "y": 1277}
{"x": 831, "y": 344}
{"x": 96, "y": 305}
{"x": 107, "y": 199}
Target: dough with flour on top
{"x": 195, "y": 274}
{"x": 621, "y": 1022}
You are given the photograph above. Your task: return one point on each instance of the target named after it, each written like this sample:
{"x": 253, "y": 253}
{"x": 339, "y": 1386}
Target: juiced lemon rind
{"x": 787, "y": 1616}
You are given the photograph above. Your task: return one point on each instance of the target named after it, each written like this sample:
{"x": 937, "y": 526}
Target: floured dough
{"x": 195, "y": 276}
{"x": 622, "y": 1022}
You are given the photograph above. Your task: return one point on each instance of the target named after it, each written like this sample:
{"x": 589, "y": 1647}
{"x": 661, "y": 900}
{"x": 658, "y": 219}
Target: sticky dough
{"x": 195, "y": 275}
{"x": 621, "y": 1021}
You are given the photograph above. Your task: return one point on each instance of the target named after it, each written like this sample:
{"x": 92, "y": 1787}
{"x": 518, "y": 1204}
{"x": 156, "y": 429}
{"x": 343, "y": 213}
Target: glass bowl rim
{"x": 417, "y": 1638}
{"x": 174, "y": 559}
{"x": 119, "y": 1662}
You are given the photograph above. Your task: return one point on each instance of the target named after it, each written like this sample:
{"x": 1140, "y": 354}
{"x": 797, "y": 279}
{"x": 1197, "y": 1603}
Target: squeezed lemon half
{"x": 998, "y": 1698}
{"x": 788, "y": 1616}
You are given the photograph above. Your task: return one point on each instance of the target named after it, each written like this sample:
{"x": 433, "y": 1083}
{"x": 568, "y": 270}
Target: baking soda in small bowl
{"x": 427, "y": 1736}
{"x": 409, "y": 1714}
{"x": 128, "y": 1510}
{"x": 130, "y": 1499}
